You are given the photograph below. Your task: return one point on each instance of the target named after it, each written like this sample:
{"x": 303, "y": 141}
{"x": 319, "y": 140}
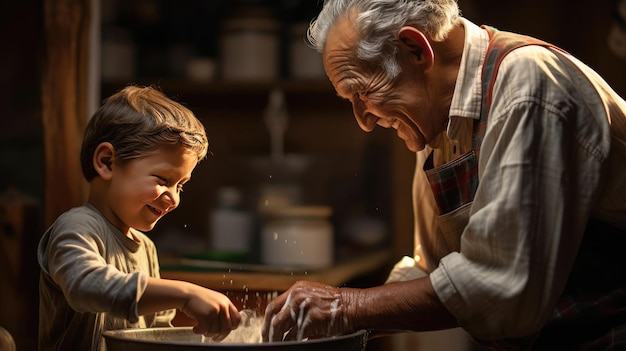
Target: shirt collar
{"x": 466, "y": 99}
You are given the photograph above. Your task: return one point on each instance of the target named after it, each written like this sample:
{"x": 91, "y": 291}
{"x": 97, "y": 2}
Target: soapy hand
{"x": 307, "y": 310}
{"x": 214, "y": 313}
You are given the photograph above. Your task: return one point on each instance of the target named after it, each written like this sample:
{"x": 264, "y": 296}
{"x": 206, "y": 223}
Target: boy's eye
{"x": 165, "y": 182}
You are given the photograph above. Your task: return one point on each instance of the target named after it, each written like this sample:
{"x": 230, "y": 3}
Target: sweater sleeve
{"x": 90, "y": 266}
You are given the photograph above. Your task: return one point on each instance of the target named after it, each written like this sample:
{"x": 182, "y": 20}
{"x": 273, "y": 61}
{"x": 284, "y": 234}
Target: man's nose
{"x": 366, "y": 120}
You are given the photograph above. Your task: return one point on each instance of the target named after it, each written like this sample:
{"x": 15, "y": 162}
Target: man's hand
{"x": 307, "y": 310}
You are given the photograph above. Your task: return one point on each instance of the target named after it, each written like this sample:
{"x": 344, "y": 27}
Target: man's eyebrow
{"x": 346, "y": 88}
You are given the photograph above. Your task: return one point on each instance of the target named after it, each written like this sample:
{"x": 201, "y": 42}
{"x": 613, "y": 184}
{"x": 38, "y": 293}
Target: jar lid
{"x": 300, "y": 211}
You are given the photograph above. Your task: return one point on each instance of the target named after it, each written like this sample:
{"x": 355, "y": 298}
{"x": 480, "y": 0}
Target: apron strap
{"x": 500, "y": 44}
{"x": 454, "y": 184}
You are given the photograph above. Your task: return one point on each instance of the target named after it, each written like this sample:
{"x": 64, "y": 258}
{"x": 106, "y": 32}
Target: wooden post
{"x": 64, "y": 102}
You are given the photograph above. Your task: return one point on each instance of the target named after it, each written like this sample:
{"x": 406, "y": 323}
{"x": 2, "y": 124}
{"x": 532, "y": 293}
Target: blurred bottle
{"x": 230, "y": 223}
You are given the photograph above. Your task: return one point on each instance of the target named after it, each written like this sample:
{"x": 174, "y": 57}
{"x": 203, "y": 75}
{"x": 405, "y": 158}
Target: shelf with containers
{"x": 177, "y": 47}
{"x": 204, "y": 41}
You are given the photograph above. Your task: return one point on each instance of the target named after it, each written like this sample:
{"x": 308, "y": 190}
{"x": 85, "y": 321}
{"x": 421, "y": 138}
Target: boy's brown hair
{"x": 138, "y": 121}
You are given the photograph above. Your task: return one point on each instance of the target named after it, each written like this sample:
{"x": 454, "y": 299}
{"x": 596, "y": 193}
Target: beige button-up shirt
{"x": 554, "y": 154}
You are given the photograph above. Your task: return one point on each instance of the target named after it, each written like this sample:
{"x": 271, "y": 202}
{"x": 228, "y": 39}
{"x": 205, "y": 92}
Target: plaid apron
{"x": 591, "y": 313}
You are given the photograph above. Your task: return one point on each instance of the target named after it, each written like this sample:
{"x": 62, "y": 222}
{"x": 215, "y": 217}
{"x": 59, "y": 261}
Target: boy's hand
{"x": 214, "y": 313}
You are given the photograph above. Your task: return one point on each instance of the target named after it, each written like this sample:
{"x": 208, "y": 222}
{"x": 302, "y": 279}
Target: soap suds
{"x": 248, "y": 331}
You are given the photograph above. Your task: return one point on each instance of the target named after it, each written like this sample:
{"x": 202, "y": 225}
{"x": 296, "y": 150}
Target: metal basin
{"x": 184, "y": 339}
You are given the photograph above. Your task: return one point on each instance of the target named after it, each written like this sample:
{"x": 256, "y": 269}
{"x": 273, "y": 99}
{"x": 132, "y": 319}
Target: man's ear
{"x": 416, "y": 43}
{"x": 103, "y": 160}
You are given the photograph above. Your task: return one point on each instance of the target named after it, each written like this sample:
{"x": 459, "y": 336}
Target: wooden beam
{"x": 64, "y": 102}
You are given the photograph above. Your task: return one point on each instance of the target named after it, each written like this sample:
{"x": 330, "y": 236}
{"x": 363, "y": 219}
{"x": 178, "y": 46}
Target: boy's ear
{"x": 103, "y": 160}
{"x": 416, "y": 43}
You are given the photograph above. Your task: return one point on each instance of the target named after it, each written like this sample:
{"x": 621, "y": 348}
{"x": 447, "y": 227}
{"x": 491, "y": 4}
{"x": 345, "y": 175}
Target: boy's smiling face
{"x": 142, "y": 191}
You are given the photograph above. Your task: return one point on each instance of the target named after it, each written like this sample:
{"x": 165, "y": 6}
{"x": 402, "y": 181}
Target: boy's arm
{"x": 214, "y": 313}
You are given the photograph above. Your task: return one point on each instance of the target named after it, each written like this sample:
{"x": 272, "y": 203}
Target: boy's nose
{"x": 171, "y": 199}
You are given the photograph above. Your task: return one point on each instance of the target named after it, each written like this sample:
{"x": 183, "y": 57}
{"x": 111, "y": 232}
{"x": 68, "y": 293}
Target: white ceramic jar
{"x": 298, "y": 236}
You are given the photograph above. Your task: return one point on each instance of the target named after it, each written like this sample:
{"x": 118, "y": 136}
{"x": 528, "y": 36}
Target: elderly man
{"x": 519, "y": 189}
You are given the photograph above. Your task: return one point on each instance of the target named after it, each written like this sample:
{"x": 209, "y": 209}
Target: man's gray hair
{"x": 378, "y": 22}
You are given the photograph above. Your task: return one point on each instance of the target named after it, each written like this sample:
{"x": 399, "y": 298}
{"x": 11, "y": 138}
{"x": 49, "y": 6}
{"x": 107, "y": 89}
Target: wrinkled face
{"x": 403, "y": 104}
{"x": 143, "y": 191}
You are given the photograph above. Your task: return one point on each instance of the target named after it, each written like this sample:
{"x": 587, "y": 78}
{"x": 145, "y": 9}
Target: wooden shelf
{"x": 313, "y": 87}
{"x": 233, "y": 279}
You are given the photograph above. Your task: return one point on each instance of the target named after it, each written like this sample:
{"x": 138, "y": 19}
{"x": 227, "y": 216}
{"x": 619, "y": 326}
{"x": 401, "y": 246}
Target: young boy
{"x": 98, "y": 270}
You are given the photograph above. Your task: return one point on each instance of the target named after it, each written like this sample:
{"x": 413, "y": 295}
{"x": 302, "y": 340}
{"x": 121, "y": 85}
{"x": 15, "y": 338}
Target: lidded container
{"x": 298, "y": 236}
{"x": 249, "y": 45}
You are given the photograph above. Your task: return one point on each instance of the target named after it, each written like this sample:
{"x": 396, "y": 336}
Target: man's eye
{"x": 362, "y": 95}
{"x": 357, "y": 97}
